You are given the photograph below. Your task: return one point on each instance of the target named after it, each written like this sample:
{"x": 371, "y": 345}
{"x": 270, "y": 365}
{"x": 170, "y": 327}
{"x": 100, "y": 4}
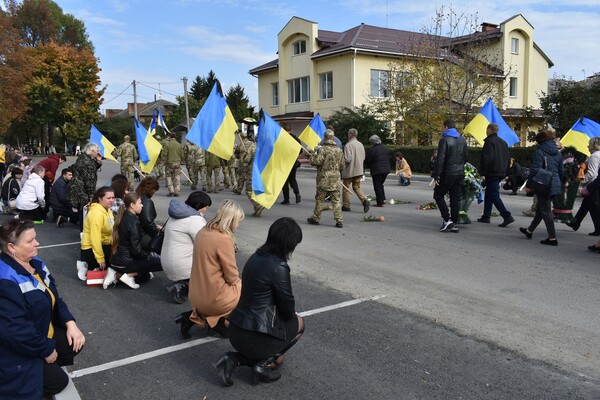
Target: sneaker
{"x": 549, "y": 242}
{"x": 454, "y": 228}
{"x": 339, "y": 225}
{"x": 312, "y": 221}
{"x": 484, "y": 220}
{"x": 129, "y": 281}
{"x": 446, "y": 226}
{"x": 82, "y": 269}
{"x": 507, "y": 221}
{"x": 110, "y": 278}
{"x": 366, "y": 206}
{"x": 40, "y": 222}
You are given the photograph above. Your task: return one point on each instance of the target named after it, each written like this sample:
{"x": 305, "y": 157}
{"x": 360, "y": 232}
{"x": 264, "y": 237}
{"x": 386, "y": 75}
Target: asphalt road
{"x": 483, "y": 313}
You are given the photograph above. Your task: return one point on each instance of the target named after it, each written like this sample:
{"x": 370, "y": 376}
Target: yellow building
{"x": 320, "y": 71}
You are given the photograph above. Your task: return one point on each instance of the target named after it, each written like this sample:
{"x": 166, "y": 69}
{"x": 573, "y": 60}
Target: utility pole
{"x": 187, "y": 109}
{"x": 135, "y": 107}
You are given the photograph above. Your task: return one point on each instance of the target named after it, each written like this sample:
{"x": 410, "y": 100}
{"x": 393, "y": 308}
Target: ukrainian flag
{"x": 161, "y": 122}
{"x": 214, "y": 127}
{"x": 106, "y": 147}
{"x": 580, "y": 134}
{"x": 152, "y": 127}
{"x": 148, "y": 147}
{"x": 487, "y": 115}
{"x": 276, "y": 153}
{"x": 312, "y": 135}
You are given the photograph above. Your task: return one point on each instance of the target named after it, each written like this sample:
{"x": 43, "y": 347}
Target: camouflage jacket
{"x": 193, "y": 155}
{"x": 127, "y": 152}
{"x": 248, "y": 157}
{"x": 241, "y": 149}
{"x": 329, "y": 160}
{"x": 83, "y": 184}
{"x": 212, "y": 160}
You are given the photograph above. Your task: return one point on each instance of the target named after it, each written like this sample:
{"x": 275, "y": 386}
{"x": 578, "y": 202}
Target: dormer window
{"x": 299, "y": 47}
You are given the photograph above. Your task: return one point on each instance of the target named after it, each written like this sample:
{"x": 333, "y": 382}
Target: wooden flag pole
{"x": 139, "y": 171}
{"x": 184, "y": 174}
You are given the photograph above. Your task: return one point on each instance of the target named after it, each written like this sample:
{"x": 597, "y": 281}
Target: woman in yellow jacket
{"x": 97, "y": 233}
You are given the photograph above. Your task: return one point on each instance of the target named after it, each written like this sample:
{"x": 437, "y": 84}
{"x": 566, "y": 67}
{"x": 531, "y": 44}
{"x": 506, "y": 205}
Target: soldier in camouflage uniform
{"x": 172, "y": 153}
{"x": 248, "y": 161}
{"x": 159, "y": 166}
{"x": 226, "y": 179}
{"x": 85, "y": 175}
{"x": 129, "y": 157}
{"x": 232, "y": 166}
{"x": 213, "y": 167}
{"x": 329, "y": 160}
{"x": 191, "y": 154}
{"x": 242, "y": 166}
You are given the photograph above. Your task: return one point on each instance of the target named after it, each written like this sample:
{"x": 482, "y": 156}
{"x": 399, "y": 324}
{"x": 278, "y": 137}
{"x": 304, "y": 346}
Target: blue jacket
{"x": 25, "y": 315}
{"x": 59, "y": 195}
{"x": 554, "y": 160}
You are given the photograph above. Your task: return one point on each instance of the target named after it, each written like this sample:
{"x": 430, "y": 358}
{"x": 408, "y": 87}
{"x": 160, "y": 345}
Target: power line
{"x": 119, "y": 94}
{"x": 157, "y": 89}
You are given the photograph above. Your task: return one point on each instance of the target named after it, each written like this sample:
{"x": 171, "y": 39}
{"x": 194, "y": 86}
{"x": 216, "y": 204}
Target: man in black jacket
{"x": 494, "y": 163}
{"x": 59, "y": 199}
{"x": 449, "y": 175}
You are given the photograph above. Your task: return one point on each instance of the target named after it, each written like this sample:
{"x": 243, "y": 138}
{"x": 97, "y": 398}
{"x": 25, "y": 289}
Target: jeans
{"x": 544, "y": 212}
{"x": 402, "y": 179}
{"x": 492, "y": 197}
{"x": 449, "y": 184}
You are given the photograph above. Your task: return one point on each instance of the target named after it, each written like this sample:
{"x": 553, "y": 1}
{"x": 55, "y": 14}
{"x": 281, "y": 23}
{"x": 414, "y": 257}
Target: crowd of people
{"x": 256, "y": 311}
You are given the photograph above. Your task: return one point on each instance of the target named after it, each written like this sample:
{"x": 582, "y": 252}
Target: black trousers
{"x": 449, "y": 184}
{"x": 291, "y": 181}
{"x": 55, "y": 379}
{"x": 378, "y": 181}
{"x": 37, "y": 214}
{"x": 88, "y": 256}
{"x": 261, "y": 346}
{"x": 590, "y": 204}
{"x": 141, "y": 266}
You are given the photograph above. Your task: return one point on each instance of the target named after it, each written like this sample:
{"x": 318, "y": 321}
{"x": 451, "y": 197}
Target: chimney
{"x": 486, "y": 27}
{"x": 130, "y": 108}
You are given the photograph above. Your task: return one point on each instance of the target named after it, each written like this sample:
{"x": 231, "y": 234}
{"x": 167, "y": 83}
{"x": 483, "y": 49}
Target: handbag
{"x": 542, "y": 180}
{"x": 156, "y": 242}
{"x": 95, "y": 277}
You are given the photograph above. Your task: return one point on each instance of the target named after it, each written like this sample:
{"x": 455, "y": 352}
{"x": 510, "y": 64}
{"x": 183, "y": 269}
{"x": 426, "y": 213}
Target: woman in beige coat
{"x": 215, "y": 285}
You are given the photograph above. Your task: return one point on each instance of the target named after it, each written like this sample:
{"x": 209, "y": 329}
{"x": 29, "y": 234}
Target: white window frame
{"x": 514, "y": 46}
{"x": 379, "y": 83}
{"x": 299, "y": 90}
{"x": 512, "y": 87}
{"x": 326, "y": 85}
{"x": 275, "y": 93}
{"x": 299, "y": 47}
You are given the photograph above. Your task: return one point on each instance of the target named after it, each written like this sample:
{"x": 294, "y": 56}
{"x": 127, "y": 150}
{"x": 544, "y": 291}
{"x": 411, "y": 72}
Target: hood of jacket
{"x": 452, "y": 132}
{"x": 549, "y": 147}
{"x": 178, "y": 210}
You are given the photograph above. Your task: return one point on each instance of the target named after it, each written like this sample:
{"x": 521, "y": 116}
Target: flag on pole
{"x": 580, "y": 134}
{"x": 214, "y": 127}
{"x": 152, "y": 127}
{"x": 312, "y": 135}
{"x": 487, "y": 115}
{"x": 106, "y": 147}
{"x": 148, "y": 147}
{"x": 161, "y": 122}
{"x": 276, "y": 153}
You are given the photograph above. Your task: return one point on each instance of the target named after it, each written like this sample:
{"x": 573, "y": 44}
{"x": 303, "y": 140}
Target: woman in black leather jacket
{"x": 128, "y": 259}
{"x": 264, "y": 325}
{"x": 146, "y": 189}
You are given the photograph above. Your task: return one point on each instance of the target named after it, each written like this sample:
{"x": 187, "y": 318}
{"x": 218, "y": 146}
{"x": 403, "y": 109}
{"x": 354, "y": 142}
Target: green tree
{"x": 362, "y": 119}
{"x": 201, "y": 87}
{"x": 177, "y": 115}
{"x": 238, "y": 102}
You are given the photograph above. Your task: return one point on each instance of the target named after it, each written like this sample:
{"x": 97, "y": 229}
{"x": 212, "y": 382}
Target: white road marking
{"x": 58, "y": 245}
{"x": 193, "y": 343}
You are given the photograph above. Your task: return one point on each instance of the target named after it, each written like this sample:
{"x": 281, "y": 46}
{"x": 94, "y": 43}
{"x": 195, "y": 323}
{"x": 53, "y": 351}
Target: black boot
{"x": 186, "y": 324}
{"x": 298, "y": 198}
{"x": 225, "y": 366}
{"x": 262, "y": 372}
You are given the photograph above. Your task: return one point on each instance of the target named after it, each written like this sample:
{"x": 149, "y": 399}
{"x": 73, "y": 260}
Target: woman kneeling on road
{"x": 264, "y": 325}
{"x": 130, "y": 263}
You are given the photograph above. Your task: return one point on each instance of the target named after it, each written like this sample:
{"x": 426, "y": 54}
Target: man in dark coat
{"x": 449, "y": 175}
{"x": 378, "y": 160}
{"x": 494, "y": 163}
{"x": 59, "y": 199}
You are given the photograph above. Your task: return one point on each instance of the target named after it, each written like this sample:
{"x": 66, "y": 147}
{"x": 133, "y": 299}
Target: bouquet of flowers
{"x": 373, "y": 218}
{"x": 472, "y": 185}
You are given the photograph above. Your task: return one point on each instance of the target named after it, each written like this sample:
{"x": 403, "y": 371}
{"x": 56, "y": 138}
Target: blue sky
{"x": 157, "y": 43}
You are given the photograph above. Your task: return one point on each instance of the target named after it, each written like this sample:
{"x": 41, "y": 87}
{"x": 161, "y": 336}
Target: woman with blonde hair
{"x": 215, "y": 285}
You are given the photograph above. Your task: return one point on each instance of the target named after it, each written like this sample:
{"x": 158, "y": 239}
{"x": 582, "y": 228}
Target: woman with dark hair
{"x": 378, "y": 160}
{"x": 146, "y": 189}
{"x": 264, "y": 325}
{"x": 185, "y": 221}
{"x": 120, "y": 185}
{"x": 128, "y": 259}
{"x": 547, "y": 156}
{"x": 97, "y": 233}
{"x": 38, "y": 334}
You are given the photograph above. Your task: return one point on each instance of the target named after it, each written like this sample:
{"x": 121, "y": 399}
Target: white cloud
{"x": 94, "y": 18}
{"x": 119, "y": 6}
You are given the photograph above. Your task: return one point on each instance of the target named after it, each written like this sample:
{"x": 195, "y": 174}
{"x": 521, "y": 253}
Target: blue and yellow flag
{"x": 161, "y": 122}
{"x": 148, "y": 147}
{"x": 276, "y": 153}
{"x": 152, "y": 127}
{"x": 487, "y": 115}
{"x": 312, "y": 135}
{"x": 214, "y": 127}
{"x": 580, "y": 134}
{"x": 106, "y": 147}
